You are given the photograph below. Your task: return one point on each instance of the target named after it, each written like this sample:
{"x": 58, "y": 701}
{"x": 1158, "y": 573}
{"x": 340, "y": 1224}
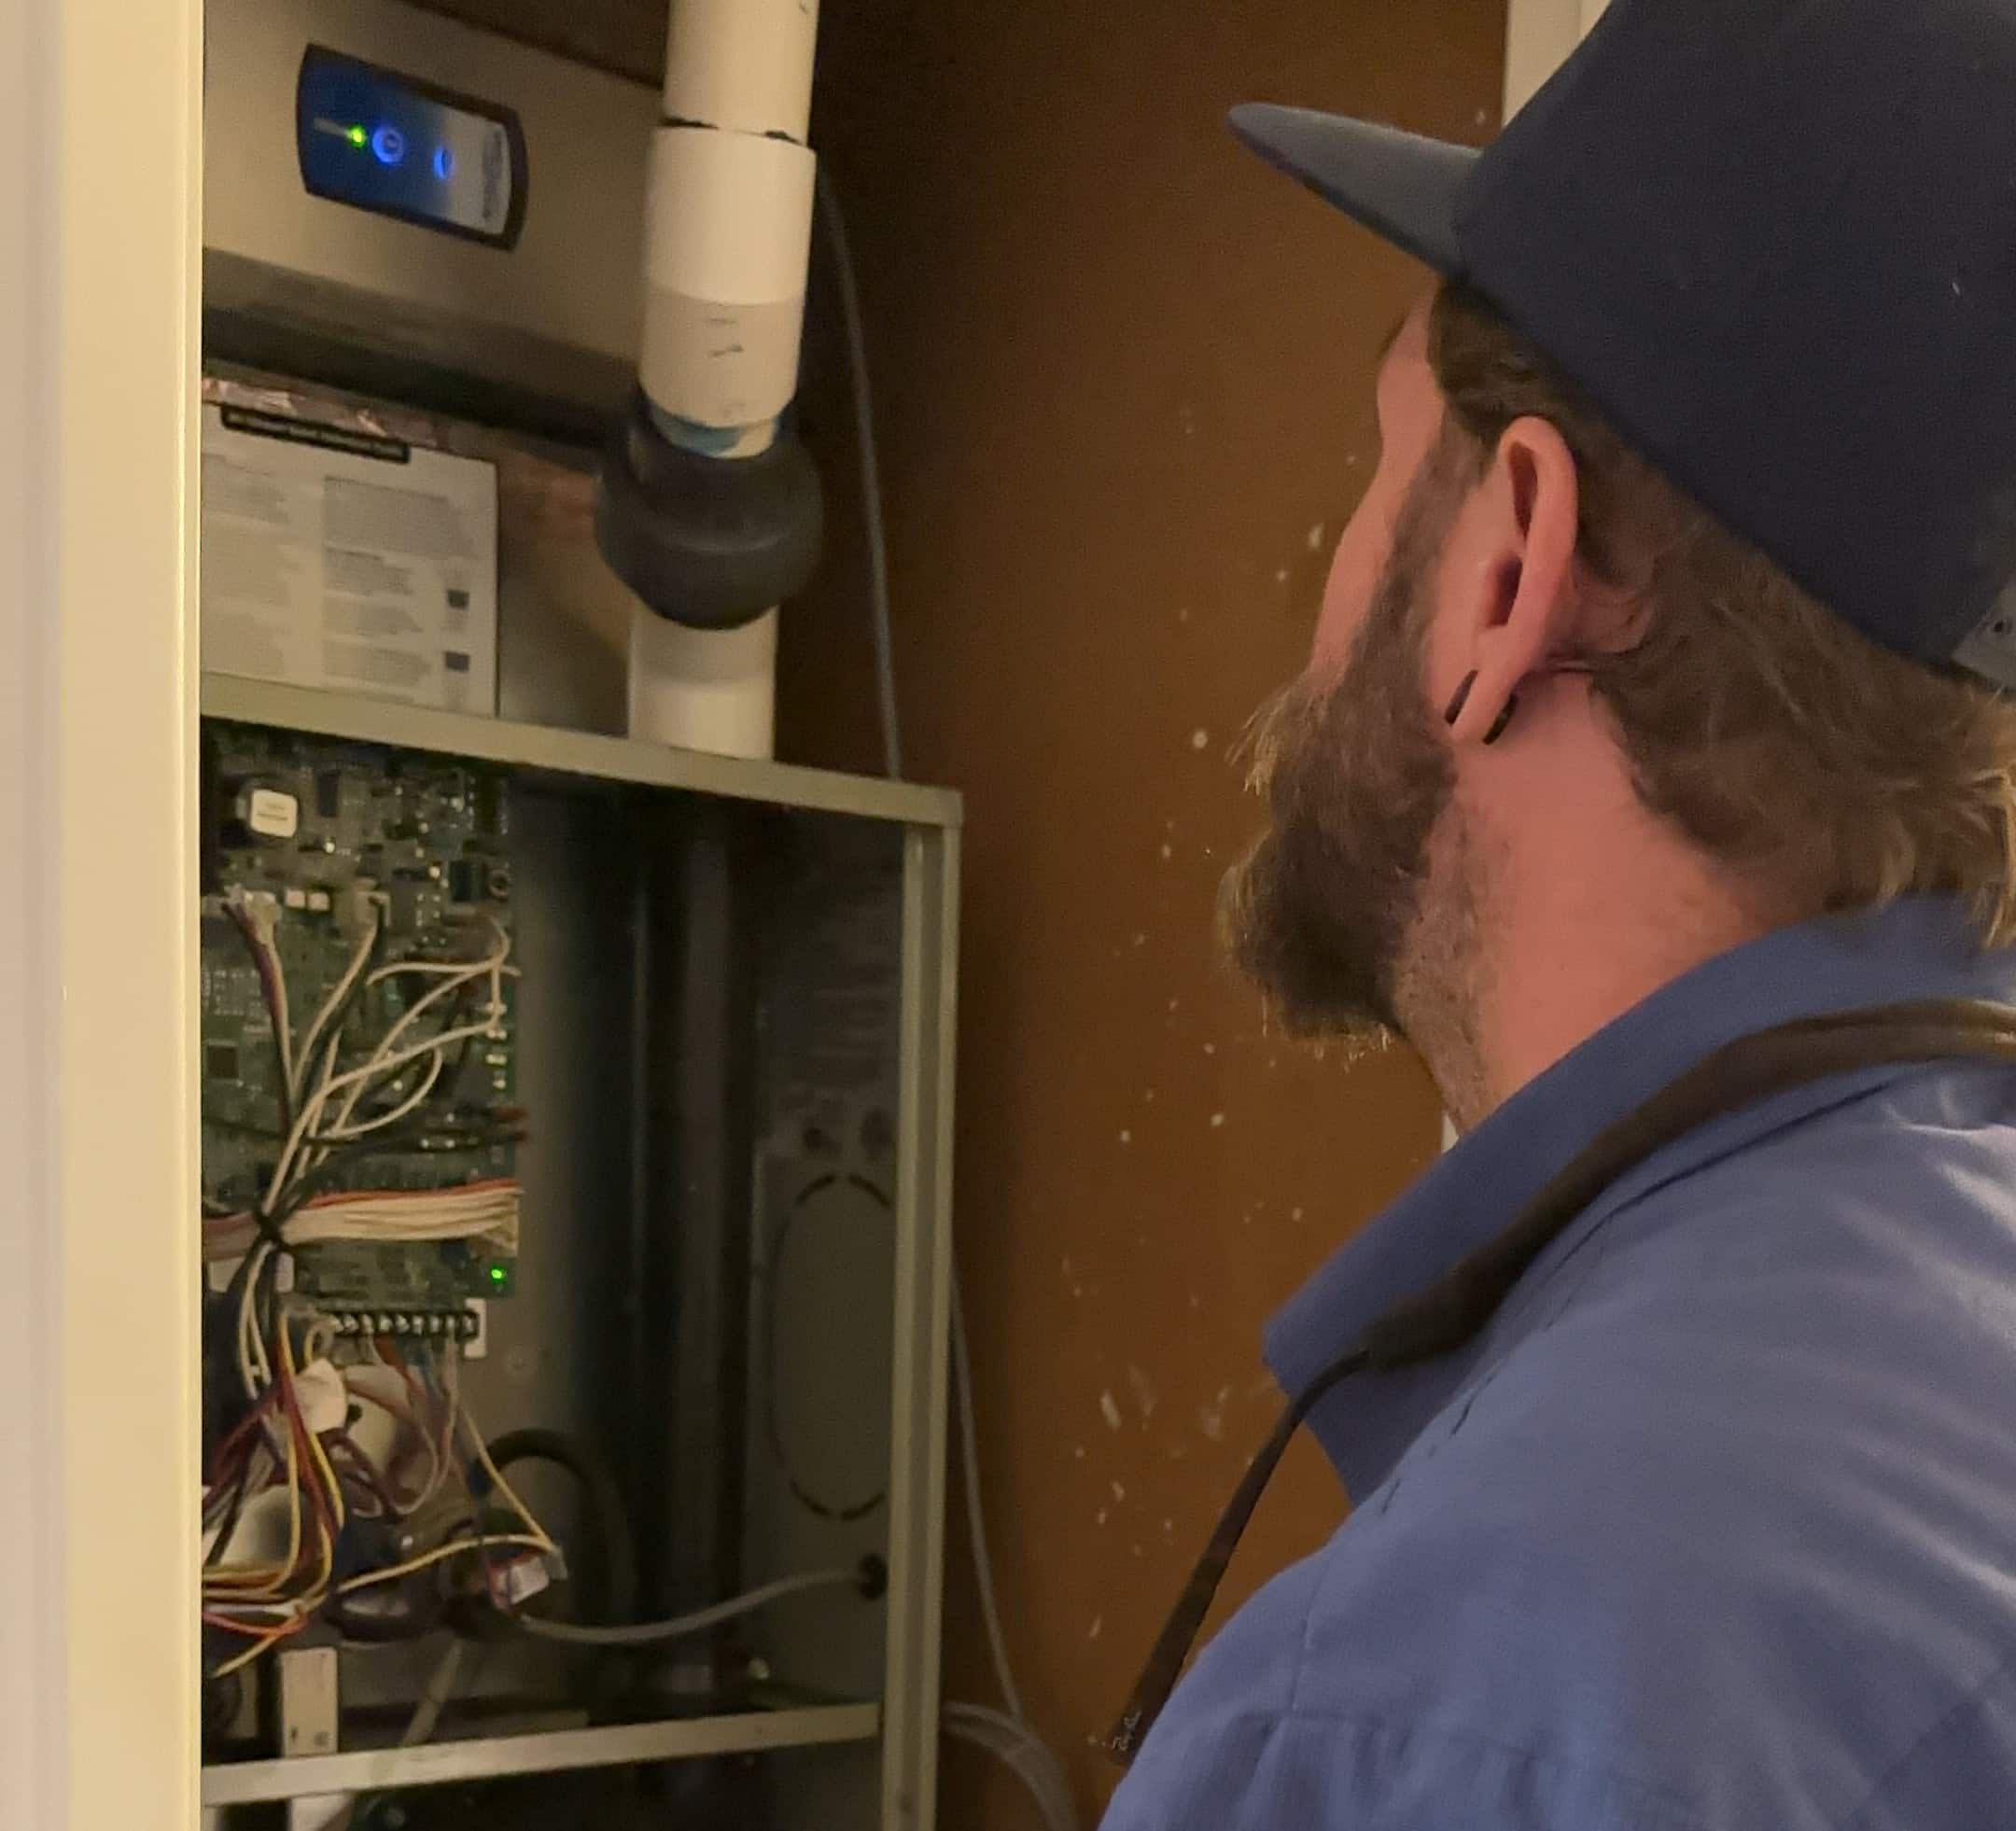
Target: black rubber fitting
{"x": 710, "y": 542}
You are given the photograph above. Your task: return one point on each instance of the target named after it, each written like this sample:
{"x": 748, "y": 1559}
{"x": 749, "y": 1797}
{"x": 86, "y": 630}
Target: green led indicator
{"x": 498, "y": 1274}
{"x": 357, "y": 136}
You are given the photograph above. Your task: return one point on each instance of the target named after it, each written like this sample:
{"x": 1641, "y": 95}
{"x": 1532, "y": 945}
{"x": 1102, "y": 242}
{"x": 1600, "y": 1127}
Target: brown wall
{"x": 1123, "y": 377}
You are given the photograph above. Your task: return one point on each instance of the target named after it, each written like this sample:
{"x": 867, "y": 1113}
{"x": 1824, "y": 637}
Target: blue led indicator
{"x": 372, "y": 140}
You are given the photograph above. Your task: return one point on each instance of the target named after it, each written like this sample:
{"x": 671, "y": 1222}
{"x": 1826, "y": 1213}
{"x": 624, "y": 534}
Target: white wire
{"x": 975, "y": 1511}
{"x": 647, "y": 1634}
{"x": 454, "y": 975}
{"x": 254, "y": 1368}
{"x": 358, "y": 1077}
{"x": 333, "y": 1004}
{"x": 482, "y": 1211}
{"x": 261, "y": 913}
{"x": 333, "y": 1133}
{"x": 385, "y": 1059}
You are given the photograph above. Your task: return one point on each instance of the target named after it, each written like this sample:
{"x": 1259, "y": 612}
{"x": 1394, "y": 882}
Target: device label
{"x": 324, "y": 566}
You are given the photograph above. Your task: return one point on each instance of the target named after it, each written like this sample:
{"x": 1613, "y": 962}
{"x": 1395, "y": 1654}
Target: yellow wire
{"x": 329, "y": 1483}
{"x": 440, "y": 1554}
{"x": 243, "y": 1584}
{"x": 277, "y": 1583}
{"x": 538, "y": 1534}
{"x": 253, "y": 1651}
{"x": 461, "y": 1422}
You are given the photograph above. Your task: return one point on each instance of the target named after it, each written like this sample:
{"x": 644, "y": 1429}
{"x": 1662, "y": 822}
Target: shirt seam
{"x": 1946, "y": 1718}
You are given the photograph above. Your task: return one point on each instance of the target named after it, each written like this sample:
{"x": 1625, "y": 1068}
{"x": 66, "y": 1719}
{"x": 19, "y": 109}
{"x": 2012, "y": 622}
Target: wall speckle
{"x": 1200, "y": 738}
{"x": 1110, "y": 1410}
{"x": 1146, "y": 1395}
{"x": 1211, "y": 1418}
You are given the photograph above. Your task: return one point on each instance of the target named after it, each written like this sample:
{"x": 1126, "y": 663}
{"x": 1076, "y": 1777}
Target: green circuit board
{"x": 317, "y": 826}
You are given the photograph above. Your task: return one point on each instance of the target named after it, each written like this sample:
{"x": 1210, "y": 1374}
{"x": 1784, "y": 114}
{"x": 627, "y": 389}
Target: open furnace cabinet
{"x": 669, "y": 1224}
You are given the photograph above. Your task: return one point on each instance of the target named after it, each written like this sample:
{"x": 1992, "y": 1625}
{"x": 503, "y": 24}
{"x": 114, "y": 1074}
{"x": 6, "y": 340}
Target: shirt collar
{"x": 1917, "y": 948}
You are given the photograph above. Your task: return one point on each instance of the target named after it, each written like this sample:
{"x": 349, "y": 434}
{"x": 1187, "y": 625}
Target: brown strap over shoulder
{"x": 1453, "y": 1309}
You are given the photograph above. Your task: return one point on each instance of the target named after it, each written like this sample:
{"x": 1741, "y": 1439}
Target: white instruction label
{"x": 336, "y": 559}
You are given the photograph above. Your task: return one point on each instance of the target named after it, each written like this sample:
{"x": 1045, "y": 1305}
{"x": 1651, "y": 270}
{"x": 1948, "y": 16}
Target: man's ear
{"x": 1509, "y": 587}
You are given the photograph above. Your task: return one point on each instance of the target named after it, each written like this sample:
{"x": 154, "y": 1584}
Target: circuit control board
{"x": 377, "y": 877}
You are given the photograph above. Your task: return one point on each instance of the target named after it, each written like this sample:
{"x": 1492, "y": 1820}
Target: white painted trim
{"x": 1539, "y": 35}
{"x": 99, "y": 133}
{"x": 30, "y": 1778}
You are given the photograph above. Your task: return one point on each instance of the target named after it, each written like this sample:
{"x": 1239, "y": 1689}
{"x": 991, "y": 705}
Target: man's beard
{"x": 1325, "y": 912}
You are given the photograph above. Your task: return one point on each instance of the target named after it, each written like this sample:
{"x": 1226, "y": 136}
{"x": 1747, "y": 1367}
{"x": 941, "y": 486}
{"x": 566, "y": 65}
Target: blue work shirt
{"x": 1715, "y": 1527}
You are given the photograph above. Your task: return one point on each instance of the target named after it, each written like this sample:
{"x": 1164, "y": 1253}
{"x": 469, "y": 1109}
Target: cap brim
{"x": 1400, "y": 185}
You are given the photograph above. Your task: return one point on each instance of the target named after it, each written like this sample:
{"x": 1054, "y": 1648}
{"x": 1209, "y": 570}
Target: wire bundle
{"x": 486, "y": 1211}
{"x": 328, "y": 1483}
{"x": 286, "y": 1451}
{"x": 333, "y": 1115}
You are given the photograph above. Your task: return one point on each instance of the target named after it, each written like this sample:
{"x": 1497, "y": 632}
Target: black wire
{"x": 617, "y": 1598}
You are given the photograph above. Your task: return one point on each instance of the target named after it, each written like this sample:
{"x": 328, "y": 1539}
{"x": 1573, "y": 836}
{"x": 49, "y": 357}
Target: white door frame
{"x": 1539, "y": 35}
{"x": 100, "y": 111}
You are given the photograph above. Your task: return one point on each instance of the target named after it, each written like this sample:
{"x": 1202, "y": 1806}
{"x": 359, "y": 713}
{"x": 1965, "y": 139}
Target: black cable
{"x": 609, "y": 1519}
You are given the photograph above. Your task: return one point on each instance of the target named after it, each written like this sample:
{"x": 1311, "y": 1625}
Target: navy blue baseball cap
{"x": 1773, "y": 242}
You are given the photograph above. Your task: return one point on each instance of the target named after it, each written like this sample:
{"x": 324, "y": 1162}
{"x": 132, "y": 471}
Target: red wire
{"x": 238, "y": 1432}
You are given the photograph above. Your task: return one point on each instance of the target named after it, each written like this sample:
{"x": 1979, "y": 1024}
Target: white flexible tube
{"x": 647, "y": 1633}
{"x": 975, "y": 1512}
{"x": 1023, "y": 1751}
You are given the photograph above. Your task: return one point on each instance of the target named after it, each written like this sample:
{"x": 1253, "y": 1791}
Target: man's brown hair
{"x": 1829, "y": 774}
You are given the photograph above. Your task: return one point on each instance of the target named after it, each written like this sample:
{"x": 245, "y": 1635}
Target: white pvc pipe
{"x": 704, "y": 690}
{"x": 745, "y": 66}
{"x": 727, "y": 240}
{"x": 728, "y": 236}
